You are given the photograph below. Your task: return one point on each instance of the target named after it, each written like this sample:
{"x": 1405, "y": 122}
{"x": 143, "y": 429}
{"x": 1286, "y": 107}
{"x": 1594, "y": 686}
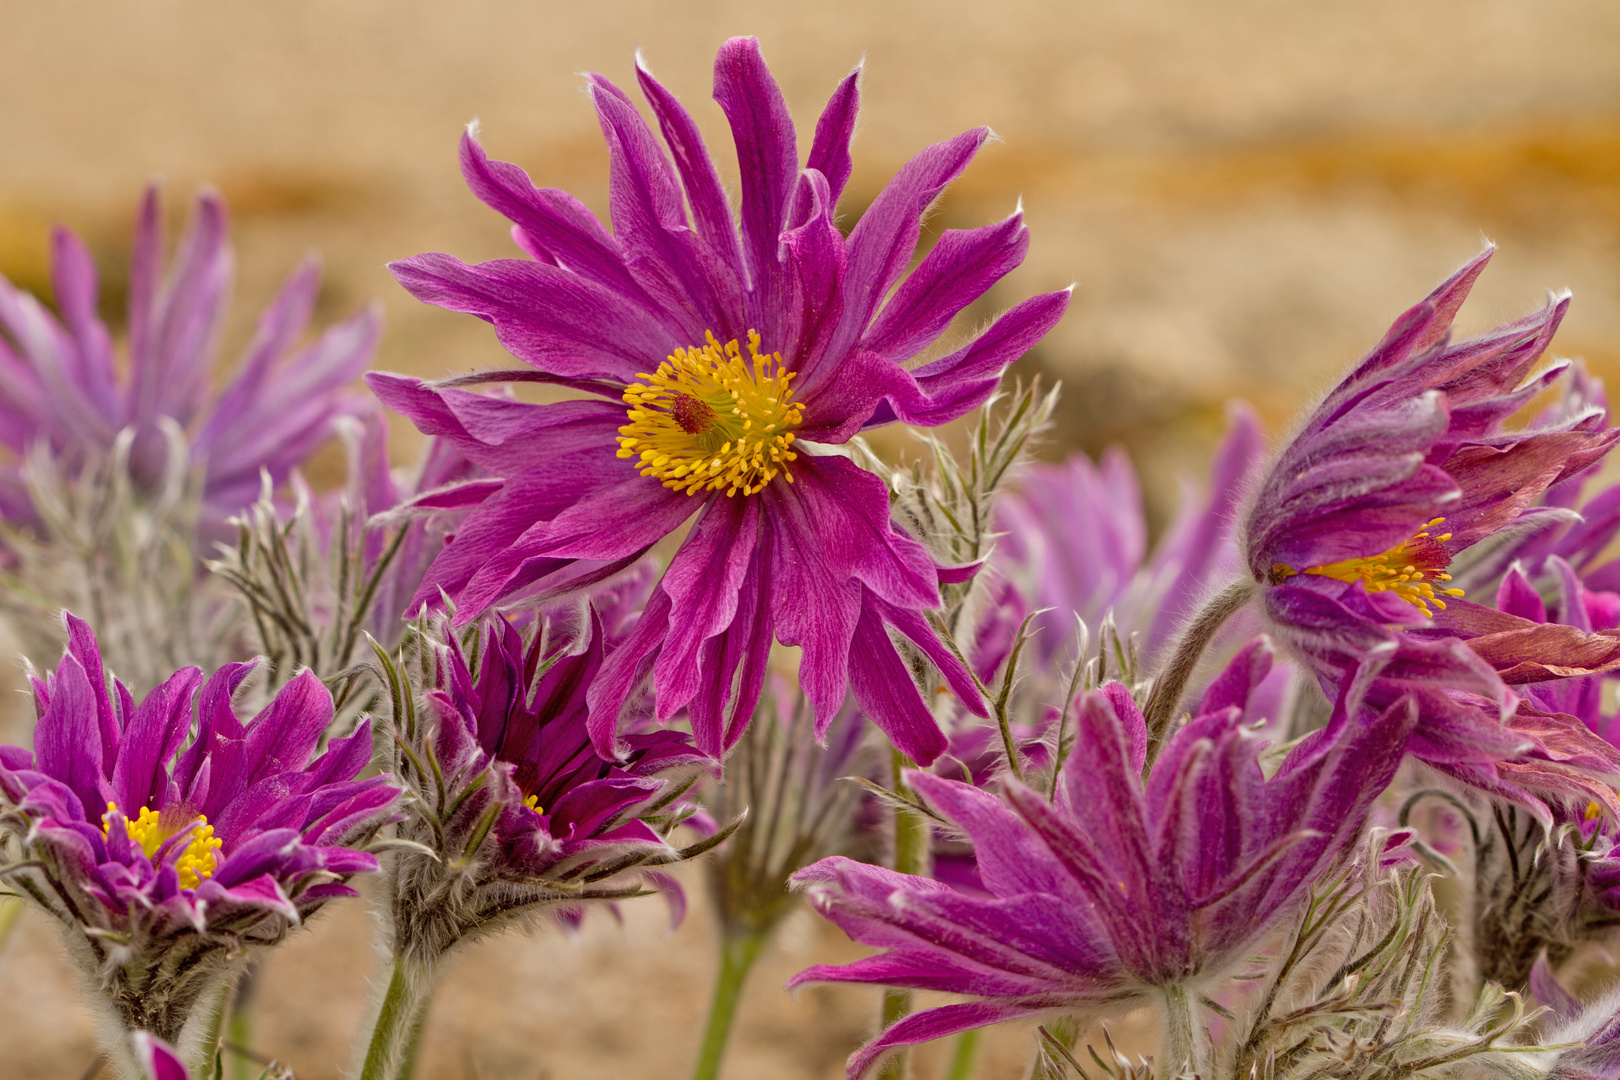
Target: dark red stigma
{"x": 693, "y": 416}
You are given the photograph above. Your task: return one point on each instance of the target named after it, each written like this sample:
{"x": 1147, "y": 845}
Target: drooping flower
{"x": 164, "y": 860}
{"x": 728, "y": 359}
{"x": 1405, "y": 464}
{"x": 1117, "y": 891}
{"x": 61, "y": 384}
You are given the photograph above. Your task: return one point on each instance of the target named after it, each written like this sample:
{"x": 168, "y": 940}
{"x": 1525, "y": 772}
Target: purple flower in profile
{"x": 726, "y": 356}
{"x": 1404, "y": 465}
{"x": 1115, "y": 891}
{"x": 519, "y": 810}
{"x": 61, "y": 384}
{"x": 1075, "y": 542}
{"x": 163, "y": 858}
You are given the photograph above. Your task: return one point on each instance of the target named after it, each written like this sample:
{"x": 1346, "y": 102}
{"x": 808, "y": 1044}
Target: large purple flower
{"x": 732, "y": 354}
{"x": 1115, "y": 892}
{"x": 61, "y": 385}
{"x": 1405, "y": 464}
{"x": 163, "y": 859}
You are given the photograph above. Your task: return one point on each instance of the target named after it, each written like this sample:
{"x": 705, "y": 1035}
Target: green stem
{"x": 738, "y": 951}
{"x": 207, "y": 1047}
{"x": 10, "y": 908}
{"x": 1196, "y": 634}
{"x": 239, "y": 1029}
{"x": 965, "y": 1056}
{"x": 1186, "y": 1039}
{"x": 396, "y": 1033}
{"x": 913, "y": 848}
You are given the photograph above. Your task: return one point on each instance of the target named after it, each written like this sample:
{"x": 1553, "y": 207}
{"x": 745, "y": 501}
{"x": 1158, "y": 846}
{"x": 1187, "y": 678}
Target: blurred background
{"x": 1245, "y": 192}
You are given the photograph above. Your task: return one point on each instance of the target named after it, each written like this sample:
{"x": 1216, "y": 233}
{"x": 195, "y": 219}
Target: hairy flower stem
{"x": 738, "y": 951}
{"x": 396, "y": 1033}
{"x": 1171, "y": 682}
{"x": 10, "y": 908}
{"x": 965, "y": 1056}
{"x": 912, "y": 847}
{"x": 239, "y": 1029}
{"x": 1186, "y": 1040}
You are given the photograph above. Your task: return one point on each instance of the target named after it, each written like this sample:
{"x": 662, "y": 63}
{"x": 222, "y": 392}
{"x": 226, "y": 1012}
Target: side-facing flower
{"x": 1117, "y": 892}
{"x": 729, "y": 359}
{"x": 1075, "y": 543}
{"x": 165, "y": 861}
{"x": 63, "y": 386}
{"x": 320, "y": 575}
{"x": 513, "y": 815}
{"x": 1405, "y": 464}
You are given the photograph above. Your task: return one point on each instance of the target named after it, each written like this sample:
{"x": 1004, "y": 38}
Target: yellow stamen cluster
{"x": 712, "y": 419}
{"x": 533, "y": 803}
{"x": 1409, "y": 570}
{"x": 150, "y": 830}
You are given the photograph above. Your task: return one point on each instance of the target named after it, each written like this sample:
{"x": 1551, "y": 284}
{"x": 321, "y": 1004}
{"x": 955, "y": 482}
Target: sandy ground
{"x": 1245, "y": 192}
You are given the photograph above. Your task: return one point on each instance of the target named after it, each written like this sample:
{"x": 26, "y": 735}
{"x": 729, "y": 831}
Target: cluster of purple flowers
{"x": 1197, "y": 756}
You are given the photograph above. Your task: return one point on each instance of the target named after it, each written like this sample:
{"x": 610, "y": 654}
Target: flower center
{"x": 151, "y": 830}
{"x": 711, "y": 419}
{"x": 533, "y": 803}
{"x": 1408, "y": 570}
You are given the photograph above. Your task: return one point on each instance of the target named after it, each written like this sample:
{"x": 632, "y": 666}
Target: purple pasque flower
{"x": 1074, "y": 540}
{"x": 165, "y": 859}
{"x": 61, "y": 384}
{"x": 1115, "y": 891}
{"x": 728, "y": 357}
{"x": 512, "y": 800}
{"x": 1404, "y": 465}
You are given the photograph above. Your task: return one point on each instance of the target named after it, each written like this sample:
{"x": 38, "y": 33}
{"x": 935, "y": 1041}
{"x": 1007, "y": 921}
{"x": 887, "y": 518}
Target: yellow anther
{"x": 150, "y": 830}
{"x": 1407, "y": 570}
{"x": 711, "y": 419}
{"x": 533, "y": 803}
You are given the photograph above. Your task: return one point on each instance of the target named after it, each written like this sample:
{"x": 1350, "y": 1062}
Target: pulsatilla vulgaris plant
{"x": 726, "y": 359}
{"x": 170, "y": 840}
{"x": 512, "y": 814}
{"x": 1103, "y": 794}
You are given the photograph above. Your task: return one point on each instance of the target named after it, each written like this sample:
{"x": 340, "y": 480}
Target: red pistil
{"x": 693, "y": 415}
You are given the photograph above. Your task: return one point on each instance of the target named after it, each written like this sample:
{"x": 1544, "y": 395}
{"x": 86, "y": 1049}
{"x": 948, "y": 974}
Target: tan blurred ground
{"x": 1246, "y": 193}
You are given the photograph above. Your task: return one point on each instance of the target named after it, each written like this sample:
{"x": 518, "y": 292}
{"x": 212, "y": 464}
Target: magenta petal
{"x": 962, "y": 266}
{"x": 767, "y": 156}
{"x": 953, "y": 385}
{"x": 157, "y": 1058}
{"x": 886, "y": 692}
{"x": 695, "y": 288}
{"x": 829, "y": 153}
{"x": 560, "y": 322}
{"x": 815, "y": 267}
{"x": 67, "y": 742}
{"x": 154, "y": 733}
{"x": 554, "y": 221}
{"x": 933, "y": 1024}
{"x": 710, "y": 211}
{"x": 882, "y": 242}
{"x": 703, "y": 582}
